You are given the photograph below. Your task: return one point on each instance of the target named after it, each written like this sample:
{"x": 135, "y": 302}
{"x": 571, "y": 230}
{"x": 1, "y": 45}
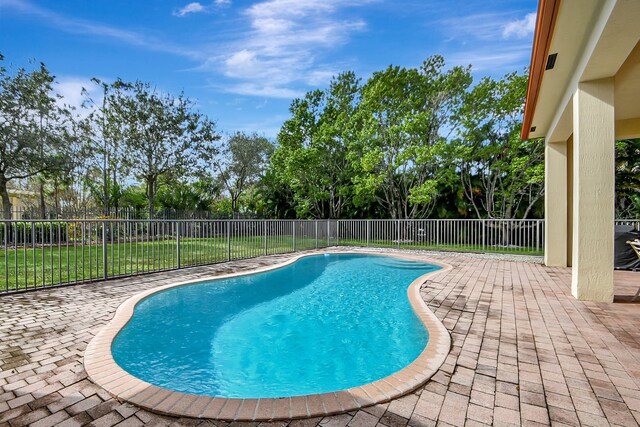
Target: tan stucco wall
{"x": 17, "y": 203}
{"x": 555, "y": 204}
{"x": 20, "y": 200}
{"x": 594, "y": 190}
{"x": 628, "y": 129}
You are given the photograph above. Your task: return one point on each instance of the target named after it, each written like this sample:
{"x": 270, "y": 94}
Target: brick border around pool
{"x": 105, "y": 372}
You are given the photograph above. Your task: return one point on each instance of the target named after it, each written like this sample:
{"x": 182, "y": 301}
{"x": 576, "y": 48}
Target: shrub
{"x": 27, "y": 232}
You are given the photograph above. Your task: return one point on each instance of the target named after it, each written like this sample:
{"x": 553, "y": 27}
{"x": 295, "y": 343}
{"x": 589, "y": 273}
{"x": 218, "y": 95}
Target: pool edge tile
{"x": 229, "y": 409}
{"x": 331, "y": 403}
{"x": 196, "y": 406}
{"x": 299, "y": 407}
{"x": 264, "y": 410}
{"x": 247, "y": 410}
{"x": 315, "y": 407}
{"x": 282, "y": 408}
{"x": 361, "y": 397}
{"x": 213, "y": 408}
{"x": 347, "y": 401}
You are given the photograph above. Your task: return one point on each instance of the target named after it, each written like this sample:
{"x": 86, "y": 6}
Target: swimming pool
{"x": 316, "y": 326}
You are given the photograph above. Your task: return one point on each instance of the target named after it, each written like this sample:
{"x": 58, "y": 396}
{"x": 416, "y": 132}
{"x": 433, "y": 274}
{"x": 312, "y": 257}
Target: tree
{"x": 188, "y": 196}
{"x": 398, "y": 150}
{"x": 103, "y": 127}
{"x": 502, "y": 176}
{"x": 628, "y": 178}
{"x": 241, "y": 164}
{"x": 134, "y": 197}
{"x": 162, "y": 136}
{"x": 66, "y": 159}
{"x": 276, "y": 196}
{"x": 34, "y": 134}
{"x": 313, "y": 146}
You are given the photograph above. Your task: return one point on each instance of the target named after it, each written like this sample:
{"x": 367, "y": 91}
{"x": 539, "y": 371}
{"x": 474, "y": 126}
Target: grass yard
{"x": 40, "y": 267}
{"x": 67, "y": 263}
{"x": 444, "y": 247}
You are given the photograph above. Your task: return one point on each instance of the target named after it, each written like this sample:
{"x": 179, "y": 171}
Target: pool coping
{"x": 106, "y": 373}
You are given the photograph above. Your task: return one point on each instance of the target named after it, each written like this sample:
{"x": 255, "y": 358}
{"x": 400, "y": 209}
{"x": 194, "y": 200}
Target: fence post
{"x": 537, "y": 237}
{"x": 178, "y": 255}
{"x": 228, "y": 240}
{"x": 328, "y": 233}
{"x": 294, "y": 235}
{"x": 316, "y": 224}
{"x": 104, "y": 249}
{"x": 337, "y": 232}
{"x": 5, "y": 230}
{"x": 484, "y": 234}
{"x": 398, "y": 233}
{"x": 368, "y": 232}
{"x": 266, "y": 252}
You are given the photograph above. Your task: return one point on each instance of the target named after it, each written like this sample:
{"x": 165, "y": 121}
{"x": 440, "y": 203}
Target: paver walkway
{"x": 524, "y": 353}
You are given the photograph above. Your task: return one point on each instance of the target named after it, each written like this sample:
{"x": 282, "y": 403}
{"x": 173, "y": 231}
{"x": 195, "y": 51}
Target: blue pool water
{"x": 321, "y": 324}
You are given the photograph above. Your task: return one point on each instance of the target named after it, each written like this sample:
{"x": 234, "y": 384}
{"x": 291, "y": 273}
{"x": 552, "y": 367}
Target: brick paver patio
{"x": 524, "y": 353}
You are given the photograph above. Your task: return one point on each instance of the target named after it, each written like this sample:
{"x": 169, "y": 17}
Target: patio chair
{"x": 635, "y": 245}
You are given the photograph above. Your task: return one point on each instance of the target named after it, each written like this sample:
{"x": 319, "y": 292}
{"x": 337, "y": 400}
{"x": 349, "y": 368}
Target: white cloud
{"x": 194, "y": 7}
{"x": 75, "y": 92}
{"x": 491, "y": 58}
{"x": 284, "y": 43}
{"x": 520, "y": 28}
{"x": 320, "y": 77}
{"x": 482, "y": 26}
{"x": 197, "y": 7}
{"x": 278, "y": 53}
{"x": 484, "y": 40}
{"x": 71, "y": 90}
{"x": 489, "y": 26}
{"x": 241, "y": 62}
{"x": 291, "y": 8}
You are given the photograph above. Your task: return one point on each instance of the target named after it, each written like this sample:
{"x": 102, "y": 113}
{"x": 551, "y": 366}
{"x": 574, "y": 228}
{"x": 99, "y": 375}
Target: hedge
{"x": 23, "y": 232}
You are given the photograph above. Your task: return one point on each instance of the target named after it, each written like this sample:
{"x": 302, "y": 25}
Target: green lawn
{"x": 443, "y": 247}
{"x": 28, "y": 268}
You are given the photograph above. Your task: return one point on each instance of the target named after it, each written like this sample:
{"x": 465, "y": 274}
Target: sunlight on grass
{"x": 73, "y": 262}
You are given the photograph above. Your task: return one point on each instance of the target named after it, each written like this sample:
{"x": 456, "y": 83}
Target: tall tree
{"x": 241, "y": 164}
{"x": 502, "y": 176}
{"x": 294, "y": 160}
{"x": 402, "y": 122}
{"x": 162, "y": 135}
{"x": 313, "y": 145}
{"x": 103, "y": 127}
{"x": 34, "y": 132}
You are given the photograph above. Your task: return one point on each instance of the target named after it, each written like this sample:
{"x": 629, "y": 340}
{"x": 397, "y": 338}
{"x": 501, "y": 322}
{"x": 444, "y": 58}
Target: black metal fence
{"x": 37, "y": 254}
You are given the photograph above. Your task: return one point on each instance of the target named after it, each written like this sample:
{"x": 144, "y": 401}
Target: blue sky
{"x": 244, "y": 61}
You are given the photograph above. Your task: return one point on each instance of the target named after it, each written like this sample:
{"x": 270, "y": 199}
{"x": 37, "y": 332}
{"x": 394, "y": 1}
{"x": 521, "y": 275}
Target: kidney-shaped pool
{"x": 315, "y": 336}
{"x": 324, "y": 323}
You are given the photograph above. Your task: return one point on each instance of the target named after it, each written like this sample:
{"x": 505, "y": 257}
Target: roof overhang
{"x": 593, "y": 39}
